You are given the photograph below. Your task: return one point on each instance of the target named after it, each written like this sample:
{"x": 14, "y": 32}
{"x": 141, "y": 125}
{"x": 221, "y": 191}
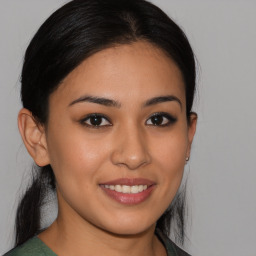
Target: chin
{"x": 129, "y": 227}
{"x": 129, "y": 231}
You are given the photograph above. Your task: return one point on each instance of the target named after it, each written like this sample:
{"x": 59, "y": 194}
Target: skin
{"x": 125, "y": 145}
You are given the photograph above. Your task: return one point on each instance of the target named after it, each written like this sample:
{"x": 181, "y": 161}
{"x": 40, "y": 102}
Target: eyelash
{"x": 95, "y": 115}
{"x": 169, "y": 120}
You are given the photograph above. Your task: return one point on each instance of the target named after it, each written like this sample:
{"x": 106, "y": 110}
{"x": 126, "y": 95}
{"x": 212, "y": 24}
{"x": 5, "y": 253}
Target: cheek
{"x": 170, "y": 156}
{"x": 77, "y": 164}
{"x": 73, "y": 156}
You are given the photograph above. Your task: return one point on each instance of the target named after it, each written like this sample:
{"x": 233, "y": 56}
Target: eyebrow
{"x": 112, "y": 103}
{"x": 98, "y": 100}
{"x": 161, "y": 99}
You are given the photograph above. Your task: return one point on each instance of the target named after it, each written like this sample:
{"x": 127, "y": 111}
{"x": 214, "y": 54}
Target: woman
{"x": 107, "y": 91}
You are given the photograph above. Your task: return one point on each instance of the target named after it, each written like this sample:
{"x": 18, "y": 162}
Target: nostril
{"x": 131, "y": 149}
{"x": 131, "y": 160}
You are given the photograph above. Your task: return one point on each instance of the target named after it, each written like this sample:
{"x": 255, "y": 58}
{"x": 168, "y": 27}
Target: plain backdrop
{"x": 221, "y": 172}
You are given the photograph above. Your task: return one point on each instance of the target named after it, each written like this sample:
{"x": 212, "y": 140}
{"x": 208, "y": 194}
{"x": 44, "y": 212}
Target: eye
{"x": 161, "y": 119}
{"x": 95, "y": 121}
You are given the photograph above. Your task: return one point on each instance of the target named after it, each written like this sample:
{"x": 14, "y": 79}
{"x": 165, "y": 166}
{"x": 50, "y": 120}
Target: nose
{"x": 131, "y": 149}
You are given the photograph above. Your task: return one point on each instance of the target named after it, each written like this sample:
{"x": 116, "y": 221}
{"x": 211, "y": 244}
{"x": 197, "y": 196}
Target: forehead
{"x": 134, "y": 71}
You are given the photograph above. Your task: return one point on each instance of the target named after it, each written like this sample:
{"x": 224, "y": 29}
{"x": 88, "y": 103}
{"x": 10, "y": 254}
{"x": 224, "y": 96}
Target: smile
{"x": 127, "y": 189}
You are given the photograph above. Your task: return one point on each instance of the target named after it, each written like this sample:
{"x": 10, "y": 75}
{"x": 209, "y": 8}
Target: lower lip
{"x": 129, "y": 199}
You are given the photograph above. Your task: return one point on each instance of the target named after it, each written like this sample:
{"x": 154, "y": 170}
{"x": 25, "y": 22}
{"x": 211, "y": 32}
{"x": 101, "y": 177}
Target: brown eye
{"x": 161, "y": 119}
{"x": 157, "y": 120}
{"x": 95, "y": 120}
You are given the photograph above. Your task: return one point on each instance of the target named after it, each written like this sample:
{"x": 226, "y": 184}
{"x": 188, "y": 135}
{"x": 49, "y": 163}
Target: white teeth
{"x": 134, "y": 189}
{"x": 127, "y": 189}
{"x": 118, "y": 188}
{"x": 141, "y": 188}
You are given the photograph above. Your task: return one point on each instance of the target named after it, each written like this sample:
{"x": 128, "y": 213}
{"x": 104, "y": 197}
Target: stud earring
{"x": 187, "y": 159}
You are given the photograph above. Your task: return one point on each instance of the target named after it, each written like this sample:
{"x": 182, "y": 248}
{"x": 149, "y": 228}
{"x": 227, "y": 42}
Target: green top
{"x": 35, "y": 247}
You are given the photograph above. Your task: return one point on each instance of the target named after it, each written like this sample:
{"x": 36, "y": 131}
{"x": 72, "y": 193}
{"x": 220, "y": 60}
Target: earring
{"x": 187, "y": 159}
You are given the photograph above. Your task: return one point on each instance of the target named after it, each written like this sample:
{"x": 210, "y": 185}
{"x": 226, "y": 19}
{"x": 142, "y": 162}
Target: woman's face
{"x": 117, "y": 138}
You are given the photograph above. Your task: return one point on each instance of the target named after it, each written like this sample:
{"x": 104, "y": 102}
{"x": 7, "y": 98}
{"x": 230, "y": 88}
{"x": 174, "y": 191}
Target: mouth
{"x": 128, "y": 191}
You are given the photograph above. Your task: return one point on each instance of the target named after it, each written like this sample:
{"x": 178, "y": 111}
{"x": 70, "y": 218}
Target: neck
{"x": 65, "y": 237}
{"x": 71, "y": 234}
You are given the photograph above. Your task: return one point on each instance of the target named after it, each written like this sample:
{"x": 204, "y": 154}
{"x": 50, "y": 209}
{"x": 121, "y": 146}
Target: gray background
{"x": 221, "y": 171}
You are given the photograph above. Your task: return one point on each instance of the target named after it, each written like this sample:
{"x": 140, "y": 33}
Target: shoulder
{"x": 171, "y": 248}
{"x": 33, "y": 247}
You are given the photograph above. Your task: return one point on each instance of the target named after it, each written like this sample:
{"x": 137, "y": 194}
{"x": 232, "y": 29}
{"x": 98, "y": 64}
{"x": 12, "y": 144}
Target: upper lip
{"x": 129, "y": 182}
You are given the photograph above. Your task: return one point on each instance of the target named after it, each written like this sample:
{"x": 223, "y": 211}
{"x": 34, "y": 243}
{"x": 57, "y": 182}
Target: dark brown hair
{"x": 70, "y": 35}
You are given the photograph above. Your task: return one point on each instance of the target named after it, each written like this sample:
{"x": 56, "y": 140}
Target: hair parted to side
{"x": 69, "y": 36}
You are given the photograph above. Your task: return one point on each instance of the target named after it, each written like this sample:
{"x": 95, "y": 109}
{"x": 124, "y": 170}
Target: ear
{"x": 191, "y": 131}
{"x": 33, "y": 136}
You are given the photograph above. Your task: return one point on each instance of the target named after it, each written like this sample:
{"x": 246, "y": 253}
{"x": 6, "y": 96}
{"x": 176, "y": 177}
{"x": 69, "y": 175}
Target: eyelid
{"x": 171, "y": 118}
{"x": 87, "y": 117}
